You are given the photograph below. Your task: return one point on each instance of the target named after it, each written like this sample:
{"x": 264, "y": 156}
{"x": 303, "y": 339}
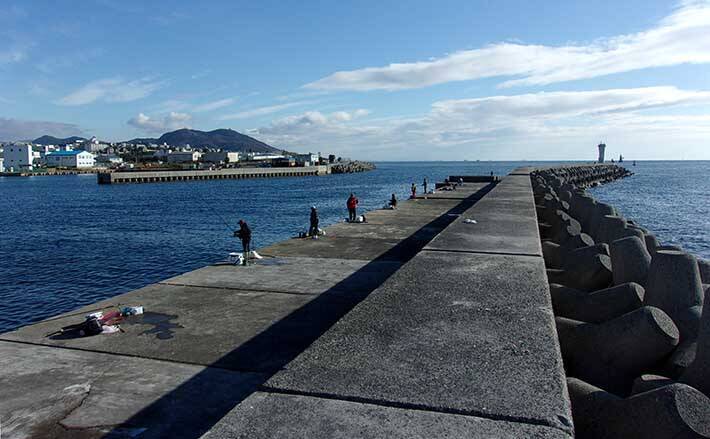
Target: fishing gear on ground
{"x": 99, "y": 323}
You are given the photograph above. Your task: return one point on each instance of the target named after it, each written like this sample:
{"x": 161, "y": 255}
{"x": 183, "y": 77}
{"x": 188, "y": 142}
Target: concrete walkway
{"x": 459, "y": 342}
{"x": 210, "y": 337}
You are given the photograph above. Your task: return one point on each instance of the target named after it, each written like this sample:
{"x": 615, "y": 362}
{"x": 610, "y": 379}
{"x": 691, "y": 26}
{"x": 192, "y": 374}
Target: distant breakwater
{"x": 158, "y": 176}
{"x": 351, "y": 167}
{"x": 633, "y": 331}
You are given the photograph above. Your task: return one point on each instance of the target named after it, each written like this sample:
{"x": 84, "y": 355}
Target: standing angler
{"x": 352, "y": 208}
{"x": 244, "y": 233}
{"x": 414, "y": 190}
{"x": 426, "y": 186}
{"x": 313, "y": 230}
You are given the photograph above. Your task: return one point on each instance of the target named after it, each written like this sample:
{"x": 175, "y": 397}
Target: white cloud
{"x": 214, "y": 105}
{"x": 169, "y": 122}
{"x": 680, "y": 38}
{"x": 310, "y": 119}
{"x": 558, "y": 125}
{"x": 16, "y": 129}
{"x": 261, "y": 111}
{"x": 111, "y": 90}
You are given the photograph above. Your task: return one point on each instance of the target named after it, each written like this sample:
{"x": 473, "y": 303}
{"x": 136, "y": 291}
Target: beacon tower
{"x": 601, "y": 147}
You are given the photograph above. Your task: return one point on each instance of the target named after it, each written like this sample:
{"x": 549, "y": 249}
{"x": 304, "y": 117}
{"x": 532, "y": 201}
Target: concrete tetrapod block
{"x": 682, "y": 357}
{"x": 585, "y": 255}
{"x": 598, "y": 306}
{"x": 274, "y": 415}
{"x": 552, "y": 254}
{"x": 610, "y": 229}
{"x": 647, "y": 382}
{"x": 697, "y": 374}
{"x": 629, "y": 260}
{"x": 704, "y": 268}
{"x": 652, "y": 243}
{"x": 577, "y": 241}
{"x": 592, "y": 276}
{"x": 674, "y": 286}
{"x": 611, "y": 354}
{"x": 597, "y": 215}
{"x": 673, "y": 411}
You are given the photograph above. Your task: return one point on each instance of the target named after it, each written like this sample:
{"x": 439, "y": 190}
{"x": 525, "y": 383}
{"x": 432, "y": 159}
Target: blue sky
{"x": 408, "y": 80}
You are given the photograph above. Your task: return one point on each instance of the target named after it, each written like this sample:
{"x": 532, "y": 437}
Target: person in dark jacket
{"x": 352, "y": 207}
{"x": 313, "y": 230}
{"x": 426, "y": 186}
{"x": 244, "y": 234}
{"x": 393, "y": 202}
{"x": 414, "y": 191}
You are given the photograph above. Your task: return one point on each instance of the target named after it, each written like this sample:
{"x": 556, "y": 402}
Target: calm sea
{"x": 66, "y": 241}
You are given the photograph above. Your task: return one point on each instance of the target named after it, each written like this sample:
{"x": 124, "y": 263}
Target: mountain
{"x": 51, "y": 140}
{"x": 226, "y": 139}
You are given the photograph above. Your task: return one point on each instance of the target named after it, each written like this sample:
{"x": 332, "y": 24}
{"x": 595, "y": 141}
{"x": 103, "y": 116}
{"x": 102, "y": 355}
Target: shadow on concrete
{"x": 192, "y": 408}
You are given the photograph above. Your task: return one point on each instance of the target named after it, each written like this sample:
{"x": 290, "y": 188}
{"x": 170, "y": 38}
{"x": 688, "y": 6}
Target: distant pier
{"x": 207, "y": 174}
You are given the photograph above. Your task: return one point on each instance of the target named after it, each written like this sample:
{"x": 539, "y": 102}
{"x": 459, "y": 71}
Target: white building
{"x": 18, "y": 157}
{"x": 2, "y": 164}
{"x": 220, "y": 157}
{"x": 183, "y": 156}
{"x": 308, "y": 159}
{"x": 93, "y": 145}
{"x": 70, "y": 159}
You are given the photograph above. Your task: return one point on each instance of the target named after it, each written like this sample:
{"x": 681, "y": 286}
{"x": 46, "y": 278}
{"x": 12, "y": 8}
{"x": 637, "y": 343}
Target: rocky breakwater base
{"x": 634, "y": 334}
{"x": 351, "y": 167}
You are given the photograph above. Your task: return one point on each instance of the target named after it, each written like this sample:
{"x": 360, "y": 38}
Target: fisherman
{"x": 393, "y": 202}
{"x": 414, "y": 190}
{"x": 352, "y": 207}
{"x": 426, "y": 186}
{"x": 244, "y": 233}
{"x": 313, "y": 230}
{"x": 460, "y": 181}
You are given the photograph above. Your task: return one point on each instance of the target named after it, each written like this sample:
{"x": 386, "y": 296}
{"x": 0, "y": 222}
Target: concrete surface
{"x": 49, "y": 392}
{"x": 506, "y": 222}
{"x": 481, "y": 326}
{"x": 296, "y": 416}
{"x": 292, "y": 275}
{"x": 233, "y": 329}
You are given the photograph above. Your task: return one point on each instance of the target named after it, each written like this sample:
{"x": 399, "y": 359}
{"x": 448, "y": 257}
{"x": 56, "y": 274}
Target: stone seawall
{"x": 634, "y": 334}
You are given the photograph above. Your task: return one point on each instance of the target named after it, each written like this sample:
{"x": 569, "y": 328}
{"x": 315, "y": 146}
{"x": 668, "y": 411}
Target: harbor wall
{"x": 207, "y": 174}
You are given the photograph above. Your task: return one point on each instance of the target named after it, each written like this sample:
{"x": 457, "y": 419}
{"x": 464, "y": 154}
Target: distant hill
{"x": 226, "y": 139}
{"x": 51, "y": 140}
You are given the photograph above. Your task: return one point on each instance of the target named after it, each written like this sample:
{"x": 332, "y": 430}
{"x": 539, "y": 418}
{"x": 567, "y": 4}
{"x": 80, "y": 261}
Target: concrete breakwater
{"x": 207, "y": 174}
{"x": 431, "y": 320}
{"x": 634, "y": 334}
{"x": 351, "y": 167}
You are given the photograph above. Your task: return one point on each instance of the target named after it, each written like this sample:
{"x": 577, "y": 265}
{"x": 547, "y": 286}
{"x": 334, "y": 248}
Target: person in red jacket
{"x": 352, "y": 208}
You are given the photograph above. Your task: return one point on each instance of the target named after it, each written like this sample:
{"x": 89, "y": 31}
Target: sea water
{"x": 66, "y": 241}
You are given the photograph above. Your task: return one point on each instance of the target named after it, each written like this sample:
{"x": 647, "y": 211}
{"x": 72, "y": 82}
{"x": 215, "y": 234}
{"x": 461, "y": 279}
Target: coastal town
{"x": 92, "y": 155}
{"x": 19, "y": 157}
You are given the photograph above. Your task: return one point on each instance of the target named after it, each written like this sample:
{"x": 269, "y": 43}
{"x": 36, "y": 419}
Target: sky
{"x": 377, "y": 80}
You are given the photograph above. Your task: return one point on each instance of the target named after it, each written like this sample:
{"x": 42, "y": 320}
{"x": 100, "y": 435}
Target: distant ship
{"x": 634, "y": 163}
